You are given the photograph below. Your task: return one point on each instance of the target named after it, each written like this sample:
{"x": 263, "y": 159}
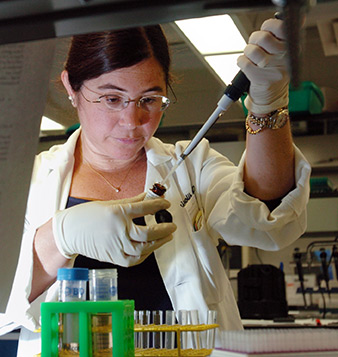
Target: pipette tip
{"x": 173, "y": 169}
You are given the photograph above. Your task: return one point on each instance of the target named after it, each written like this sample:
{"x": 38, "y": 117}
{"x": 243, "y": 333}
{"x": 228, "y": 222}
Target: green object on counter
{"x": 122, "y": 325}
{"x": 307, "y": 99}
{"x": 321, "y": 185}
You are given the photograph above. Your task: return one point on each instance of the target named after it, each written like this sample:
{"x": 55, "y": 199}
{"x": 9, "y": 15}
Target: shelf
{"x": 324, "y": 194}
{"x": 324, "y": 169}
{"x": 327, "y": 116}
{"x": 234, "y": 130}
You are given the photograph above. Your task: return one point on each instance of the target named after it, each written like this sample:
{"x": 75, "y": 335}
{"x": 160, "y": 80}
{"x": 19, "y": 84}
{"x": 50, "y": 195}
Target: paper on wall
{"x": 24, "y": 77}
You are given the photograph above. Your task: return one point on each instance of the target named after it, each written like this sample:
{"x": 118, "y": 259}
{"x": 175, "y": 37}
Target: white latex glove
{"x": 264, "y": 63}
{"x": 104, "y": 230}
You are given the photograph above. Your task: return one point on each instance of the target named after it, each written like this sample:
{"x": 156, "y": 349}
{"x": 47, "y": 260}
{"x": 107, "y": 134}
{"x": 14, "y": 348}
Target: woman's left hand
{"x": 264, "y": 63}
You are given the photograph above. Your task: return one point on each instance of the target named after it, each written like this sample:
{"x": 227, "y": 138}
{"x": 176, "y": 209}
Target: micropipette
{"x": 239, "y": 85}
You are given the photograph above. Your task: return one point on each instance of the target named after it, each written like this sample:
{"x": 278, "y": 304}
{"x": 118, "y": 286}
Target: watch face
{"x": 281, "y": 118}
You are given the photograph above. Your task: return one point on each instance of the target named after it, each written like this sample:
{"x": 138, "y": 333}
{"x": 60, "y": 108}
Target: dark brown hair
{"x": 93, "y": 54}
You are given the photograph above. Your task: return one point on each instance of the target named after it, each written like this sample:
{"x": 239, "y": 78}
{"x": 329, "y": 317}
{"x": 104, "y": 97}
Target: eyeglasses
{"x": 115, "y": 102}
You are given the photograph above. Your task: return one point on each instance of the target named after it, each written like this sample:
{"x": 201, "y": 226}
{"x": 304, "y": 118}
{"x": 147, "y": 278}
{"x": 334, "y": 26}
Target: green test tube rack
{"x": 122, "y": 325}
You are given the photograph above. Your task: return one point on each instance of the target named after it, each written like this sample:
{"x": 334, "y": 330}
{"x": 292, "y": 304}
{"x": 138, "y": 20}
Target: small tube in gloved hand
{"x": 162, "y": 216}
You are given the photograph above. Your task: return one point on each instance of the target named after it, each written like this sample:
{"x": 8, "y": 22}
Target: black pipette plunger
{"x": 239, "y": 85}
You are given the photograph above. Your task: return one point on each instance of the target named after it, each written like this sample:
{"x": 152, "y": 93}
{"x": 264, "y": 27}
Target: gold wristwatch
{"x": 274, "y": 120}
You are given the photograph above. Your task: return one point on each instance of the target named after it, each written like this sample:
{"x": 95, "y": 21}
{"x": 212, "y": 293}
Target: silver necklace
{"x": 117, "y": 189}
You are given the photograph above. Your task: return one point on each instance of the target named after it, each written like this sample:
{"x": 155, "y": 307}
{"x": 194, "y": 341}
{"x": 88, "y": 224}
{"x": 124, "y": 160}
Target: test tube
{"x": 136, "y": 334}
{"x": 144, "y": 338}
{"x": 72, "y": 287}
{"x": 169, "y": 337}
{"x": 102, "y": 287}
{"x": 103, "y": 284}
{"x": 157, "y": 336}
{"x": 183, "y": 320}
{"x": 211, "y": 319}
{"x": 196, "y": 336}
{"x": 158, "y": 190}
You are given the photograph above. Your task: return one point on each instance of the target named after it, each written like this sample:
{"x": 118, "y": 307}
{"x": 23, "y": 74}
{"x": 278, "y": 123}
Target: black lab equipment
{"x": 261, "y": 292}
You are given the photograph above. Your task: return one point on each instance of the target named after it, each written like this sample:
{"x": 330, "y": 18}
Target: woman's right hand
{"x": 104, "y": 230}
{"x": 264, "y": 63}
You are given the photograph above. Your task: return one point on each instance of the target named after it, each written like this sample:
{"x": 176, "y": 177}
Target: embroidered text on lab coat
{"x": 188, "y": 196}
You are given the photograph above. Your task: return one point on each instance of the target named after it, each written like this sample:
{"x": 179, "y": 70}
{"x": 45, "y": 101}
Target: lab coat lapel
{"x": 53, "y": 192}
{"x": 176, "y": 259}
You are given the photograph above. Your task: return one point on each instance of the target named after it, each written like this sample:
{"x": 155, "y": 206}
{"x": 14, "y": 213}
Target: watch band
{"x": 274, "y": 120}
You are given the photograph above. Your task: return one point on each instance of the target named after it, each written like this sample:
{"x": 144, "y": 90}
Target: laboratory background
{"x": 309, "y": 285}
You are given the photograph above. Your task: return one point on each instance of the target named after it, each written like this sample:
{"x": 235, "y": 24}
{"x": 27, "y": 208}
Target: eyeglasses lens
{"x": 150, "y": 104}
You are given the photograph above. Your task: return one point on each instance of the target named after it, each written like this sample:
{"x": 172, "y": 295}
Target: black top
{"x": 142, "y": 283}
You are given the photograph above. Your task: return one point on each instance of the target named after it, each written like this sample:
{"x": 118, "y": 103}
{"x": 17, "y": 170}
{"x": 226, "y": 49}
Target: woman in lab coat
{"x": 118, "y": 81}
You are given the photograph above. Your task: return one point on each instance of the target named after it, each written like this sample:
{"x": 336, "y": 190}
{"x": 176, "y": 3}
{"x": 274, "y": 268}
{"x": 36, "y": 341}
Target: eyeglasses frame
{"x": 136, "y": 100}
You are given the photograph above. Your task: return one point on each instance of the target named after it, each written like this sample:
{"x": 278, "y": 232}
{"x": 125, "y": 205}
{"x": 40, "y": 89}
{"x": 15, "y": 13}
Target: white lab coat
{"x": 189, "y": 264}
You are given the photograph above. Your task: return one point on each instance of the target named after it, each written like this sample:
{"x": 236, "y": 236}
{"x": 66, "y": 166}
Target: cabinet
{"x": 322, "y": 215}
